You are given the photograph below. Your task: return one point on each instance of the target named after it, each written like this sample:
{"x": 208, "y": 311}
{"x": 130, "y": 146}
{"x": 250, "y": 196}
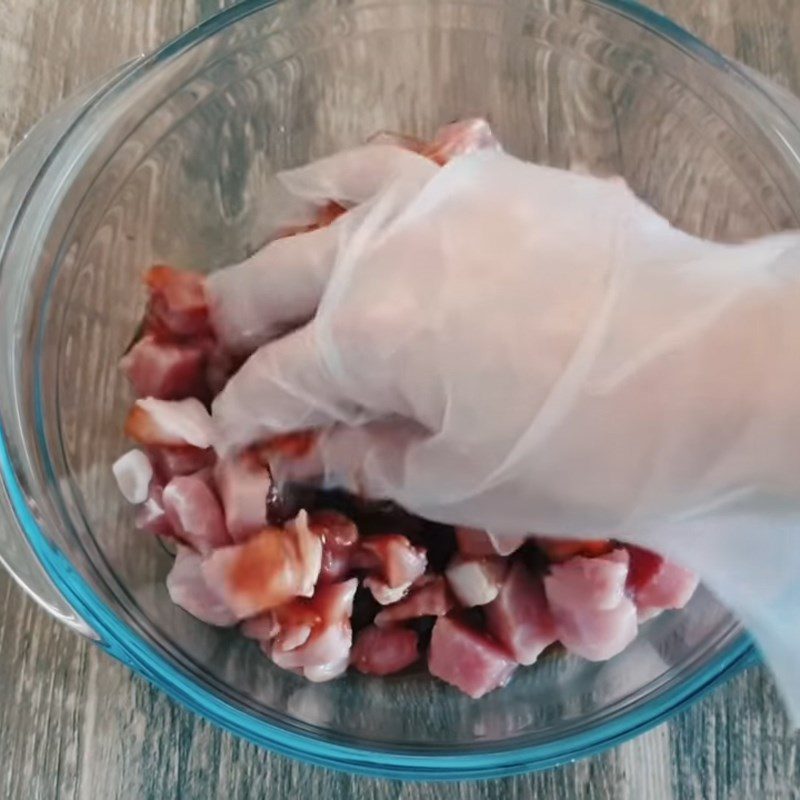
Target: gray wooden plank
{"x": 76, "y": 724}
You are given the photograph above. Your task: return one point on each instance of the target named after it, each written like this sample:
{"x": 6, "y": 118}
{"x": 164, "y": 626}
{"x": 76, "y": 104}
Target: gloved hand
{"x": 514, "y": 347}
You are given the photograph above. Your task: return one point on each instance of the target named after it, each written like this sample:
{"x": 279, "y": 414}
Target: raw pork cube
{"x": 165, "y": 370}
{"x": 171, "y": 423}
{"x": 243, "y": 486}
{"x": 520, "y": 617}
{"x": 189, "y": 589}
{"x": 382, "y": 651}
{"x": 467, "y": 659}
{"x": 339, "y": 538}
{"x": 398, "y": 561}
{"x": 194, "y": 513}
{"x": 429, "y": 597}
{"x": 325, "y": 654}
{"x": 267, "y": 571}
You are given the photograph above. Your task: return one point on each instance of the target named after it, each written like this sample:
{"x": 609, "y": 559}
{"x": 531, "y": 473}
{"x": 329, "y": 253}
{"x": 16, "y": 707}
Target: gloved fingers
{"x": 354, "y": 176}
{"x": 283, "y": 387}
{"x": 370, "y": 459}
{"x": 276, "y": 289}
{"x": 280, "y": 286}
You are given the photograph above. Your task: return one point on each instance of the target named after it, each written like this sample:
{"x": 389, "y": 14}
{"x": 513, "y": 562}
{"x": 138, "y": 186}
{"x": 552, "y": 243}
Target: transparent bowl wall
{"x": 167, "y": 162}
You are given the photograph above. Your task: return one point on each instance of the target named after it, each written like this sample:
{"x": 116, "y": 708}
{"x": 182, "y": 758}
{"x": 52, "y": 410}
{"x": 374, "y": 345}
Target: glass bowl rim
{"x": 134, "y": 651}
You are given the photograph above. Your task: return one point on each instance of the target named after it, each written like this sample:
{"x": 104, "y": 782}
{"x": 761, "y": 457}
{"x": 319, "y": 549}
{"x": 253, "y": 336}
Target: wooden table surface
{"x": 76, "y": 724}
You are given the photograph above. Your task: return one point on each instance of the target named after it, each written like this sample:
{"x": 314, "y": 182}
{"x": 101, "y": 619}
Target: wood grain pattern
{"x": 76, "y": 724}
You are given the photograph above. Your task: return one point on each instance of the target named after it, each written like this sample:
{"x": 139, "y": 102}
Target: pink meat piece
{"x": 339, "y": 539}
{"x": 171, "y": 423}
{"x": 267, "y": 571}
{"x": 165, "y": 370}
{"x": 596, "y": 583}
{"x": 288, "y": 626}
{"x": 520, "y": 617}
{"x": 178, "y": 305}
{"x": 466, "y": 659}
{"x": 670, "y": 587}
{"x": 476, "y": 543}
{"x": 429, "y": 597}
{"x": 171, "y": 461}
{"x": 220, "y": 366}
{"x": 596, "y": 634}
{"x": 594, "y": 617}
{"x": 188, "y": 589}
{"x": 262, "y": 628}
{"x": 383, "y": 651}
{"x": 326, "y": 652}
{"x": 475, "y": 581}
{"x": 383, "y": 593}
{"x": 194, "y": 513}
{"x": 150, "y": 516}
{"x": 308, "y": 545}
{"x": 243, "y": 485}
{"x": 643, "y": 566}
{"x": 393, "y": 555}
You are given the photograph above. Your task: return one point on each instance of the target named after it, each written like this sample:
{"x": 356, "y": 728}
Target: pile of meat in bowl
{"x": 323, "y": 581}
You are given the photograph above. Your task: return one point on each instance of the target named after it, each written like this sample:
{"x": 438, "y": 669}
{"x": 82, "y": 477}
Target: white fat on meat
{"x": 133, "y": 472}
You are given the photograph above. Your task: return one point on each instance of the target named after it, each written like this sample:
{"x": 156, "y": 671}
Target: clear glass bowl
{"x": 166, "y": 161}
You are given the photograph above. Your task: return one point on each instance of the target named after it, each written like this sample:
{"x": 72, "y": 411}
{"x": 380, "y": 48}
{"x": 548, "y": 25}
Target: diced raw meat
{"x": 563, "y": 549}
{"x": 326, "y": 653}
{"x": 339, "y": 538}
{"x": 309, "y": 552}
{"x": 595, "y": 583}
{"x": 383, "y": 593}
{"x": 263, "y": 628}
{"x": 265, "y": 572}
{"x": 171, "y": 461}
{"x": 292, "y": 638}
{"x": 520, "y": 617}
{"x": 188, "y": 588}
{"x": 243, "y": 485}
{"x": 133, "y": 472}
{"x": 151, "y": 517}
{"x": 475, "y": 582}
{"x": 383, "y": 651}
{"x": 594, "y": 617}
{"x": 165, "y": 370}
{"x": 195, "y": 513}
{"x": 220, "y": 365}
{"x": 334, "y": 603}
{"x": 460, "y": 138}
{"x": 596, "y": 634}
{"x": 476, "y": 543}
{"x": 670, "y": 587}
{"x": 397, "y": 559}
{"x": 644, "y": 566}
{"x": 178, "y": 305}
{"x": 172, "y": 423}
{"x": 466, "y": 659}
{"x": 429, "y": 598}
{"x": 294, "y": 623}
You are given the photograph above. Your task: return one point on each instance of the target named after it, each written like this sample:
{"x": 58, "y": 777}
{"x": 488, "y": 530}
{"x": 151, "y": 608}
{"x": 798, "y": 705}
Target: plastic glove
{"x": 514, "y": 347}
